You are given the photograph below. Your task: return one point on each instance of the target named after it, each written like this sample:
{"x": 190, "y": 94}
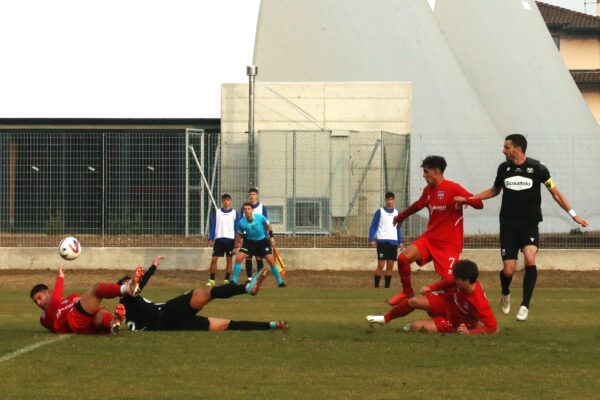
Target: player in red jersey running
{"x": 82, "y": 313}
{"x": 442, "y": 241}
{"x": 462, "y": 307}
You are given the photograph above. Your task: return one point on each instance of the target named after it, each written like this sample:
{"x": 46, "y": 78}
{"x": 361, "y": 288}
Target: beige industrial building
{"x": 577, "y": 36}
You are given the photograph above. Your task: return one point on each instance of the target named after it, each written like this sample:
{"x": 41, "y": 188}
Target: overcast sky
{"x": 127, "y": 58}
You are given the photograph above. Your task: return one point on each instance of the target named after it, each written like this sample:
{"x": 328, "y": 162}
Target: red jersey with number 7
{"x": 445, "y": 217}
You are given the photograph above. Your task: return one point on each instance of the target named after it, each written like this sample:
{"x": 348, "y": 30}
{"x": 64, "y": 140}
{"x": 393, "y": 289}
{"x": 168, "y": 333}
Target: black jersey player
{"x": 180, "y": 312}
{"x": 520, "y": 179}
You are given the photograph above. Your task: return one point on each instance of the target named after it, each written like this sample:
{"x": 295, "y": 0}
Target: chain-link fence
{"x": 321, "y": 188}
{"x": 158, "y": 188}
{"x": 118, "y": 188}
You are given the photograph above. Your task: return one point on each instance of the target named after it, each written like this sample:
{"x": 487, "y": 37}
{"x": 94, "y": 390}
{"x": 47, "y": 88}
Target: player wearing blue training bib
{"x": 251, "y": 230}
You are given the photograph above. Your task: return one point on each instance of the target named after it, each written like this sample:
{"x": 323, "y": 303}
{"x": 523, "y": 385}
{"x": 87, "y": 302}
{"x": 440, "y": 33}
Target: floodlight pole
{"x": 251, "y": 71}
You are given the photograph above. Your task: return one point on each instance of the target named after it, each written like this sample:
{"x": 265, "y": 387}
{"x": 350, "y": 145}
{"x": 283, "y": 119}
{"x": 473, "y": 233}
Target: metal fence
{"x": 158, "y": 188}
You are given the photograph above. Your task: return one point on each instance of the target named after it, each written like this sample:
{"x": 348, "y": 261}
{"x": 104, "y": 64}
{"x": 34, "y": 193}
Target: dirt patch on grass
{"x": 25, "y": 279}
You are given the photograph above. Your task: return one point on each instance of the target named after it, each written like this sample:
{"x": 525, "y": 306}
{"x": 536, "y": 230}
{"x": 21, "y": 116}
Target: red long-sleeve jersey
{"x": 445, "y": 218}
{"x": 467, "y": 308}
{"x": 54, "y": 318}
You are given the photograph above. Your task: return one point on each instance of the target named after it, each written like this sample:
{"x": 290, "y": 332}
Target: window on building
{"x": 308, "y": 214}
{"x": 275, "y": 214}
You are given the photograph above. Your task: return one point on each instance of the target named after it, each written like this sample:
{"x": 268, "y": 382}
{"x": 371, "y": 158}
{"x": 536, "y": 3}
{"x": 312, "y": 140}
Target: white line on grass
{"x": 32, "y": 347}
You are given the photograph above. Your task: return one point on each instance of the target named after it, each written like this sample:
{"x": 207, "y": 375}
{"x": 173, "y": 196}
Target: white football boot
{"x": 376, "y": 319}
{"x": 522, "y": 314}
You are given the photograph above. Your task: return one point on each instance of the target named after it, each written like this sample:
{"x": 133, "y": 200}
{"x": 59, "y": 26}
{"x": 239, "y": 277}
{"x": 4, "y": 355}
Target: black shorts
{"x": 516, "y": 234}
{"x": 387, "y": 251}
{"x": 223, "y": 247}
{"x": 178, "y": 315}
{"x": 258, "y": 248}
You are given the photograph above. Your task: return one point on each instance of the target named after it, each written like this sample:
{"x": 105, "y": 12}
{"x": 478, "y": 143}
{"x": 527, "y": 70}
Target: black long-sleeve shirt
{"x": 140, "y": 313}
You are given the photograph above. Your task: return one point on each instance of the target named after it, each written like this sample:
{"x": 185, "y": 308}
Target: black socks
{"x": 227, "y": 291}
{"x": 529, "y": 280}
{"x": 505, "y": 282}
{"x": 248, "y": 326}
{"x": 376, "y": 280}
{"x": 388, "y": 281}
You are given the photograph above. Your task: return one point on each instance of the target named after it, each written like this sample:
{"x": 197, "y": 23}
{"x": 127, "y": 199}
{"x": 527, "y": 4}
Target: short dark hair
{"x": 465, "y": 270}
{"x": 253, "y": 190}
{"x": 247, "y": 204}
{"x": 390, "y": 195}
{"x": 40, "y": 287}
{"x": 123, "y": 280}
{"x": 226, "y": 196}
{"x": 518, "y": 140}
{"x": 434, "y": 162}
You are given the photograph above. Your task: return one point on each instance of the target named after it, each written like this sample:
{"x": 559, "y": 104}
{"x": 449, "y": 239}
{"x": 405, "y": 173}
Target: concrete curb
{"x": 336, "y": 259}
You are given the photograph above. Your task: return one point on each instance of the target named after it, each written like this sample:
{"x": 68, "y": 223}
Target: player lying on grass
{"x": 82, "y": 313}
{"x": 461, "y": 307}
{"x": 180, "y": 312}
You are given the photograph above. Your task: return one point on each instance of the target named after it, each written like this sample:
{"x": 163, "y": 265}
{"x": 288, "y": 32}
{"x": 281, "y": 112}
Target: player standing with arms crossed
{"x": 223, "y": 226}
{"x": 386, "y": 237}
{"x": 442, "y": 241}
{"x": 520, "y": 179}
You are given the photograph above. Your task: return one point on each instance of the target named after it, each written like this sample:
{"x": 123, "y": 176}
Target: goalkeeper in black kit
{"x": 179, "y": 313}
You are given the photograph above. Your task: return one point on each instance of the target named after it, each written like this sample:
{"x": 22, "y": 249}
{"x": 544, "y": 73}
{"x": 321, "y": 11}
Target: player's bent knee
{"x": 218, "y": 324}
{"x": 200, "y": 298}
{"x": 419, "y": 302}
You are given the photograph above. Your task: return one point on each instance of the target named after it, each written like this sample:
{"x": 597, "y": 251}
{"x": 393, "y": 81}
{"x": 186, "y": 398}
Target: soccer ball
{"x": 69, "y": 248}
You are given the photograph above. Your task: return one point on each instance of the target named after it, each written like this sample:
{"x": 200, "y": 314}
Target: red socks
{"x": 107, "y": 321}
{"x": 402, "y": 309}
{"x": 108, "y": 290}
{"x": 404, "y": 270}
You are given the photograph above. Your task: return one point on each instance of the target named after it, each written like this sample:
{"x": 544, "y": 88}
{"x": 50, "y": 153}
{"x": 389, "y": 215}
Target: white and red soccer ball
{"x": 69, "y": 248}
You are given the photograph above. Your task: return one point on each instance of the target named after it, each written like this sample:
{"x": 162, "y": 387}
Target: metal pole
{"x": 187, "y": 183}
{"x": 213, "y": 180}
{"x": 251, "y": 71}
{"x": 191, "y": 148}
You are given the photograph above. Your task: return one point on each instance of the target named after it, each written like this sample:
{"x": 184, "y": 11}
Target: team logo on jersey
{"x": 518, "y": 183}
{"x": 503, "y": 251}
{"x": 530, "y": 170}
{"x": 532, "y": 239}
{"x": 508, "y": 168}
{"x": 441, "y": 195}
{"x": 518, "y": 169}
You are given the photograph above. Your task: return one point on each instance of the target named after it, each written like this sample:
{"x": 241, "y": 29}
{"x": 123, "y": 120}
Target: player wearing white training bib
{"x": 223, "y": 227}
{"x": 387, "y": 237}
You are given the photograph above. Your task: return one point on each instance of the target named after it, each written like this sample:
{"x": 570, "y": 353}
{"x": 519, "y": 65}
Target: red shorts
{"x": 442, "y": 255}
{"x": 79, "y": 322}
{"x": 437, "y": 312}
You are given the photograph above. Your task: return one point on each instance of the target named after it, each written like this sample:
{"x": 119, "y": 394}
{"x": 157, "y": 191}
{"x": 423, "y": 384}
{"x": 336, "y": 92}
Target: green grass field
{"x": 330, "y": 352}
